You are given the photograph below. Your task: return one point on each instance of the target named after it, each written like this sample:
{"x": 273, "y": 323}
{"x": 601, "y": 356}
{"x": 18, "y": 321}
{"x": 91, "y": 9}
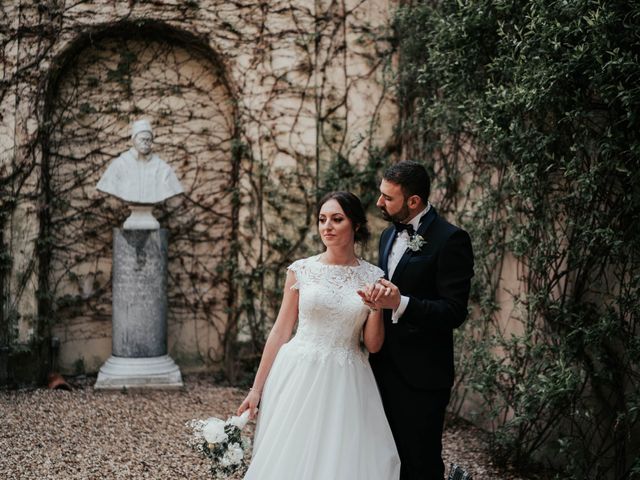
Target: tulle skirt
{"x": 321, "y": 418}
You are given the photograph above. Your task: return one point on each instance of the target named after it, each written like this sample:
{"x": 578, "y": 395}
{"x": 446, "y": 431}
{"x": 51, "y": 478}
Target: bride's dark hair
{"x": 354, "y": 211}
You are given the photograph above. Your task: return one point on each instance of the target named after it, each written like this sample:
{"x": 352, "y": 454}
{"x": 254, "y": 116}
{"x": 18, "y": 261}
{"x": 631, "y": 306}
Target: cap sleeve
{"x": 374, "y": 273}
{"x": 296, "y": 268}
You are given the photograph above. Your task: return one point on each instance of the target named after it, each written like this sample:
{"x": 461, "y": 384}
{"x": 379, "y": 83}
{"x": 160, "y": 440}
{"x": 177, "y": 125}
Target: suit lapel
{"x": 386, "y": 249}
{"x": 425, "y": 222}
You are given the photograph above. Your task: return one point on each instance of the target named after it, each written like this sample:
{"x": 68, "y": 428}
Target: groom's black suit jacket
{"x": 437, "y": 281}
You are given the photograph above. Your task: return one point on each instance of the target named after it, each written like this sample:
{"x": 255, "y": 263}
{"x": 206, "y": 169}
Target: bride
{"x": 321, "y": 416}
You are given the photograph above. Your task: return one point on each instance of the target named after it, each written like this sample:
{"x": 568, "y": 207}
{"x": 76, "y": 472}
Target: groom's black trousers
{"x": 416, "y": 418}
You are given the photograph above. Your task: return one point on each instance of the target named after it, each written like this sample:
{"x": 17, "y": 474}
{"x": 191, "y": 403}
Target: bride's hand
{"x": 366, "y": 294}
{"x": 250, "y": 402}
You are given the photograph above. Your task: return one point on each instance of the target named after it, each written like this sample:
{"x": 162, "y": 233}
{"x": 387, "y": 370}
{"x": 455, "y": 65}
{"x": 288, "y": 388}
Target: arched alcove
{"x": 106, "y": 80}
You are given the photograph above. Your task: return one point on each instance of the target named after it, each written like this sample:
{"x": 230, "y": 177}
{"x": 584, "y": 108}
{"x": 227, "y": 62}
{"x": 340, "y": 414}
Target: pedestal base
{"x": 142, "y": 373}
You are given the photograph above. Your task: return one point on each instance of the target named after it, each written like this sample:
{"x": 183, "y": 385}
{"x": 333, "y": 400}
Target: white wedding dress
{"x": 321, "y": 416}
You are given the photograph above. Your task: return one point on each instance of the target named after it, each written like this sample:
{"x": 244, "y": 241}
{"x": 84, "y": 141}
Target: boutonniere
{"x": 416, "y": 242}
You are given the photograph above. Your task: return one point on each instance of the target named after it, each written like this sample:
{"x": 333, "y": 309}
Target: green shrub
{"x": 527, "y": 112}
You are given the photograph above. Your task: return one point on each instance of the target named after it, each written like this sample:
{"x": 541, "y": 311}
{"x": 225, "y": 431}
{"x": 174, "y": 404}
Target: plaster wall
{"x": 250, "y": 101}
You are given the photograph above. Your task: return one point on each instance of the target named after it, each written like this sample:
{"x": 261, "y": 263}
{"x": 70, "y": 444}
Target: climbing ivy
{"x": 527, "y": 114}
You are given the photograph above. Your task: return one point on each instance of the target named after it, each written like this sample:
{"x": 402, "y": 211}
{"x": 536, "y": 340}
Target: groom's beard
{"x": 398, "y": 217}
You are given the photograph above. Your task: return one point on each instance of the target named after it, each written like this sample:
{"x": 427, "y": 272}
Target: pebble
{"x": 90, "y": 434}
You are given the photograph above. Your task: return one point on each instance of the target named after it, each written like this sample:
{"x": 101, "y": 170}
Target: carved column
{"x": 139, "y": 339}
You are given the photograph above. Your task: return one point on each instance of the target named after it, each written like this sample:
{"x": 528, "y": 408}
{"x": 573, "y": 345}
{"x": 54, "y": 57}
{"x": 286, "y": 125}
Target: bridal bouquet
{"x": 222, "y": 442}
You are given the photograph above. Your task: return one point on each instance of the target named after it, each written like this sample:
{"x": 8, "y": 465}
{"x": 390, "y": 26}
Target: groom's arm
{"x": 453, "y": 282}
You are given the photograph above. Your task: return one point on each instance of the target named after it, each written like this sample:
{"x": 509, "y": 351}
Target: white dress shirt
{"x": 397, "y": 251}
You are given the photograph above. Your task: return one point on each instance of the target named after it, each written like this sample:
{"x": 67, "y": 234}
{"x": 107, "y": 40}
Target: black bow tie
{"x": 404, "y": 226}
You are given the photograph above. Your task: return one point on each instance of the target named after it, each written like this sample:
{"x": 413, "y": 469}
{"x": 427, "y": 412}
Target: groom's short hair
{"x": 412, "y": 178}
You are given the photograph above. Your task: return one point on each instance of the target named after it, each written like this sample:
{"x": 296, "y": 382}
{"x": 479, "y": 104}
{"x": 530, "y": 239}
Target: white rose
{"x": 213, "y": 431}
{"x": 233, "y": 455}
{"x": 240, "y": 421}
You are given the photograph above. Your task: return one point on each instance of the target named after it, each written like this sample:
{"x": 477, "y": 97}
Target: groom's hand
{"x": 385, "y": 294}
{"x": 382, "y": 294}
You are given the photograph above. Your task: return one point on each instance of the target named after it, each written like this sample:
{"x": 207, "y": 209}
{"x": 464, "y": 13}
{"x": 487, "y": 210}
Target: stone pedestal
{"x": 143, "y": 372}
{"x": 139, "y": 340}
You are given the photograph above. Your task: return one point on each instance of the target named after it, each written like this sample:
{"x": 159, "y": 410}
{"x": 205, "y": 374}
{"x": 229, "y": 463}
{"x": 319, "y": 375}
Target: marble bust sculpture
{"x": 140, "y": 177}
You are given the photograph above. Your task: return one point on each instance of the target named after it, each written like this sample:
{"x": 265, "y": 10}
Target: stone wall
{"x": 252, "y": 102}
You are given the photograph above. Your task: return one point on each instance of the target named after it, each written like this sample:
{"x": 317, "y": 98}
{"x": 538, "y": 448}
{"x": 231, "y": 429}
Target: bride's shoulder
{"x": 373, "y": 272}
{"x": 302, "y": 262}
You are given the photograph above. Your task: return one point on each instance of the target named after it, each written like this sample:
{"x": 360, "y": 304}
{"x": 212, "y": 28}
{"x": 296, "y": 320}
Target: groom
{"x": 428, "y": 264}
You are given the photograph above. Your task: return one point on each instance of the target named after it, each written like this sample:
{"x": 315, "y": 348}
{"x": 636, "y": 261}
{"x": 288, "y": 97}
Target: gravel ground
{"x": 87, "y": 434}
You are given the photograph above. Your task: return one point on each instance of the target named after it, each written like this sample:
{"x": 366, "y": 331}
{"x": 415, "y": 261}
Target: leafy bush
{"x": 527, "y": 112}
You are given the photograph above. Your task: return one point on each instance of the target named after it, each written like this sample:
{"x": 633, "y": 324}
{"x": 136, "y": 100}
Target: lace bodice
{"x": 330, "y": 312}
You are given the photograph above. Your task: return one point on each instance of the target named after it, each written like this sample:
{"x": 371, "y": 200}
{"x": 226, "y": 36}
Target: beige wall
{"x": 247, "y": 74}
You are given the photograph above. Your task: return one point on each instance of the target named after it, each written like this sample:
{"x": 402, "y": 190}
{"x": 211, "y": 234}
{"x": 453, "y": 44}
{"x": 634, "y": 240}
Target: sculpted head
{"x": 142, "y": 136}
{"x": 139, "y": 177}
